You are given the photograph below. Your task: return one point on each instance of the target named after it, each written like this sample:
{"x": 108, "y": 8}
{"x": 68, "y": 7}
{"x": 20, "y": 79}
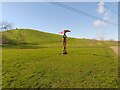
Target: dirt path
{"x": 116, "y": 49}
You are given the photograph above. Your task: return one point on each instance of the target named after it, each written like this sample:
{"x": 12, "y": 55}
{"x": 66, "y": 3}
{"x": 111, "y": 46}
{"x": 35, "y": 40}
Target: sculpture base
{"x": 64, "y": 52}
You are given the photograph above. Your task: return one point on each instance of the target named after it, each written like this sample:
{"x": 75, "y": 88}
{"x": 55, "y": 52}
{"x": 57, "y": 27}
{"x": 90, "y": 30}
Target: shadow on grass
{"x": 21, "y": 46}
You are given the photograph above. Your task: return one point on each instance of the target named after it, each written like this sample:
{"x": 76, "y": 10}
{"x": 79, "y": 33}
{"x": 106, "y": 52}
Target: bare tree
{"x": 111, "y": 40}
{"x": 6, "y": 26}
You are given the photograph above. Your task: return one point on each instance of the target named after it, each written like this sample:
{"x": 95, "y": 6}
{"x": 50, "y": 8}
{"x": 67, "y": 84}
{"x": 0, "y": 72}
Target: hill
{"x": 28, "y": 36}
{"x": 34, "y": 37}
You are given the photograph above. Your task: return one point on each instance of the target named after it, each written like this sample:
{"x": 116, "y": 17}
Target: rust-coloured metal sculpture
{"x": 65, "y": 40}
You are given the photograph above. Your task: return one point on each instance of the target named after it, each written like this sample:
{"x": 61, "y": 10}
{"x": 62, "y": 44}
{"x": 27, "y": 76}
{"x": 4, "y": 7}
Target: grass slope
{"x": 29, "y": 36}
{"x": 34, "y": 37}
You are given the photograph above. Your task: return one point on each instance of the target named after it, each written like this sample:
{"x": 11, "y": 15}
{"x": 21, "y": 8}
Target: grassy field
{"x": 42, "y": 65}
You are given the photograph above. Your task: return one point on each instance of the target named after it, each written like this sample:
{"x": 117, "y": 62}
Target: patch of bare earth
{"x": 116, "y": 49}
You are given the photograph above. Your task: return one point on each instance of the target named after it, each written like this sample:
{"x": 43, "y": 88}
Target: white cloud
{"x": 99, "y": 22}
{"x": 107, "y": 15}
{"x": 101, "y": 7}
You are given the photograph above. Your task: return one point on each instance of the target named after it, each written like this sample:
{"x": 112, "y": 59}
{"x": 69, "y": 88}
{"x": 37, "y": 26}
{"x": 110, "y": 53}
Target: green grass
{"x": 46, "y": 68}
{"x": 34, "y": 37}
{"x": 37, "y": 62}
{"x": 29, "y": 36}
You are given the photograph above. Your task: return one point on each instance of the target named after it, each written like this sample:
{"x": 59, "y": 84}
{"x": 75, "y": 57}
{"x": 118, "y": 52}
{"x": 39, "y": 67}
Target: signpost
{"x": 64, "y": 40}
